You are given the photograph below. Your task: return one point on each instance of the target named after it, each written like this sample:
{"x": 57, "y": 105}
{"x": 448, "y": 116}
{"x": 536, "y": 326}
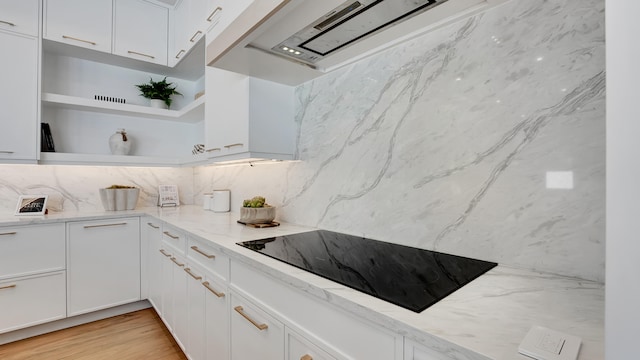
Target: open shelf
{"x": 192, "y": 113}
{"x": 53, "y": 158}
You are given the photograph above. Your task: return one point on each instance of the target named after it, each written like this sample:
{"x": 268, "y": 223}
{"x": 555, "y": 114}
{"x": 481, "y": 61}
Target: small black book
{"x": 46, "y": 140}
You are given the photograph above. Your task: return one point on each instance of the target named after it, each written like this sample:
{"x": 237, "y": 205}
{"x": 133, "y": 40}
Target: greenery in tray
{"x": 121, "y": 187}
{"x": 160, "y": 90}
{"x": 255, "y": 202}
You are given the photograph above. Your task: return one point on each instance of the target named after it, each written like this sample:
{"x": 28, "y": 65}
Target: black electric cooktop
{"x": 409, "y": 277}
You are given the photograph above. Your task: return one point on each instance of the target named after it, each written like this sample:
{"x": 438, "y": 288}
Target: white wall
{"x": 623, "y": 180}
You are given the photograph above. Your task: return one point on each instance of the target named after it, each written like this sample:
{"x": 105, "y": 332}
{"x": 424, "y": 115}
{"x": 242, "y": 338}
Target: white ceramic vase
{"x": 159, "y": 104}
{"x": 120, "y": 143}
{"x": 119, "y": 199}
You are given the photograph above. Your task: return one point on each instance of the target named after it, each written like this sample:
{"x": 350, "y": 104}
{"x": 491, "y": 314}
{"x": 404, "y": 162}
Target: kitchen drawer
{"x": 32, "y": 300}
{"x": 176, "y": 239}
{"x": 344, "y": 334}
{"x": 20, "y": 16}
{"x": 414, "y": 351}
{"x": 208, "y": 258}
{"x": 299, "y": 348}
{"x": 26, "y": 250}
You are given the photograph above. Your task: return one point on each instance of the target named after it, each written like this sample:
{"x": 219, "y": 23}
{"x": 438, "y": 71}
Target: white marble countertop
{"x": 486, "y": 319}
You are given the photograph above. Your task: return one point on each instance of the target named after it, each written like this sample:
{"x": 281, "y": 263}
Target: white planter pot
{"x": 119, "y": 199}
{"x": 263, "y": 215}
{"x": 159, "y": 104}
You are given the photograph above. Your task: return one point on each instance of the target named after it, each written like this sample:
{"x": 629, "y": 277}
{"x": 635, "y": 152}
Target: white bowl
{"x": 263, "y": 215}
{"x": 119, "y": 199}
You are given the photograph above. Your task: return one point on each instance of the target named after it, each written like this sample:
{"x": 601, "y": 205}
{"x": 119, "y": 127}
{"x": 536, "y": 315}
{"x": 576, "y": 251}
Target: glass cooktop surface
{"x": 408, "y": 277}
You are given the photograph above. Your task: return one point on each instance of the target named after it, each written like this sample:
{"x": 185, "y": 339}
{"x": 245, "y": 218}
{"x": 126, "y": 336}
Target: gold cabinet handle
{"x": 12, "y": 24}
{"x": 208, "y": 256}
{"x": 215, "y": 11}
{"x": 141, "y": 54}
{"x": 195, "y": 35}
{"x": 240, "y": 311}
{"x": 216, "y": 293}
{"x": 164, "y": 253}
{"x": 212, "y": 150}
{"x": 232, "y": 145}
{"x": 104, "y": 225}
{"x": 188, "y": 271}
{"x": 306, "y": 357}
{"x": 171, "y": 236}
{"x": 13, "y": 286}
{"x": 153, "y": 226}
{"x": 6, "y": 152}
{"x": 76, "y": 39}
{"x": 176, "y": 262}
{"x": 180, "y": 53}
{"x": 8, "y": 233}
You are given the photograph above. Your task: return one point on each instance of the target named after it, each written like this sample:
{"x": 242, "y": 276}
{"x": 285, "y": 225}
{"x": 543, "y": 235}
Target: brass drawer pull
{"x": 208, "y": 256}
{"x": 141, "y": 54}
{"x": 306, "y": 357}
{"x": 104, "y": 225}
{"x": 164, "y": 253}
{"x": 240, "y": 311}
{"x": 153, "y": 226}
{"x": 213, "y": 13}
{"x": 179, "y": 54}
{"x": 76, "y": 39}
{"x": 171, "y": 236}
{"x": 6, "y": 152}
{"x": 9, "y": 233}
{"x": 216, "y": 293}
{"x": 188, "y": 271}
{"x": 212, "y": 150}
{"x": 12, "y": 24}
{"x": 176, "y": 262}
{"x": 232, "y": 145}
{"x": 195, "y": 35}
{"x": 8, "y": 287}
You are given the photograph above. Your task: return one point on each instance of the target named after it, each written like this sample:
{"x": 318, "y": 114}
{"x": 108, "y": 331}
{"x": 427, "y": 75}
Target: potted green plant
{"x": 158, "y": 90}
{"x": 257, "y": 211}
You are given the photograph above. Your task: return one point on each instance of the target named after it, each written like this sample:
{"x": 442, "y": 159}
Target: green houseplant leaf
{"x": 160, "y": 90}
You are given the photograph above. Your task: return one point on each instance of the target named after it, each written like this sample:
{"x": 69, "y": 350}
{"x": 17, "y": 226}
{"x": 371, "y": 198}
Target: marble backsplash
{"x": 75, "y": 188}
{"x": 445, "y": 142}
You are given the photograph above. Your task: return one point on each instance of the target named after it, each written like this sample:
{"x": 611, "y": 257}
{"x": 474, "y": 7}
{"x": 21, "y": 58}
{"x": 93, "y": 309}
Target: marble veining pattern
{"x": 444, "y": 142}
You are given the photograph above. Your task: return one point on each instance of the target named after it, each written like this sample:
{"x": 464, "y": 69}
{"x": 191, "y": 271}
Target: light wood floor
{"x": 138, "y": 335}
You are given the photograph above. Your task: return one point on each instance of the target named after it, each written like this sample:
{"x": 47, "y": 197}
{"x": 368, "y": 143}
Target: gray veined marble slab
{"x": 444, "y": 142}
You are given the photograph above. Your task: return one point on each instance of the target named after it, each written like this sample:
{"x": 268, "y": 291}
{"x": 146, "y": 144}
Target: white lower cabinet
{"x": 299, "y": 348}
{"x": 32, "y": 300}
{"x": 180, "y": 311}
{"x": 103, "y": 264}
{"x": 254, "y": 333}
{"x": 152, "y": 236}
{"x": 415, "y": 351}
{"x": 216, "y": 319}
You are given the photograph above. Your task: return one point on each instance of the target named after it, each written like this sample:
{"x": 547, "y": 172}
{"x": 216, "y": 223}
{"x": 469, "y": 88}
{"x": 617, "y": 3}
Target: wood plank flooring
{"x": 137, "y": 335}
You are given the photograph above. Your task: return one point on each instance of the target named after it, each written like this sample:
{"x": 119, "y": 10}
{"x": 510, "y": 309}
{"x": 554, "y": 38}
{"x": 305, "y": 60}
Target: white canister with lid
{"x": 221, "y": 201}
{"x": 206, "y": 201}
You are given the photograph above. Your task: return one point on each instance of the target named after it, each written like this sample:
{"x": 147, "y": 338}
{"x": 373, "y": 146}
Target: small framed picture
{"x": 168, "y": 195}
{"x": 32, "y": 205}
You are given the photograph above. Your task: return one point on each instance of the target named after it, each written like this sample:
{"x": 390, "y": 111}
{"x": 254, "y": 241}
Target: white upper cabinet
{"x": 140, "y": 31}
{"x": 222, "y": 14}
{"x": 247, "y": 117}
{"x": 79, "y": 22}
{"x": 185, "y": 29}
{"x": 19, "y": 120}
{"x": 19, "y": 16}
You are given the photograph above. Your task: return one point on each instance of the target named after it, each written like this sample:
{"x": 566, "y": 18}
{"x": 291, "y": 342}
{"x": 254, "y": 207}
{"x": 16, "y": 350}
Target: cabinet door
{"x": 27, "y": 250}
{"x": 196, "y": 336}
{"x": 153, "y": 234}
{"x": 166, "y": 287}
{"x": 103, "y": 264}
{"x": 221, "y": 18}
{"x": 226, "y": 111}
{"x": 254, "y": 333}
{"x": 20, "y": 16}
{"x": 32, "y": 300}
{"x": 179, "y": 33}
{"x": 79, "y": 22}
{"x": 180, "y": 325}
{"x": 413, "y": 351}
{"x": 140, "y": 31}
{"x": 299, "y": 348}
{"x": 19, "y": 91}
{"x": 217, "y": 319}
